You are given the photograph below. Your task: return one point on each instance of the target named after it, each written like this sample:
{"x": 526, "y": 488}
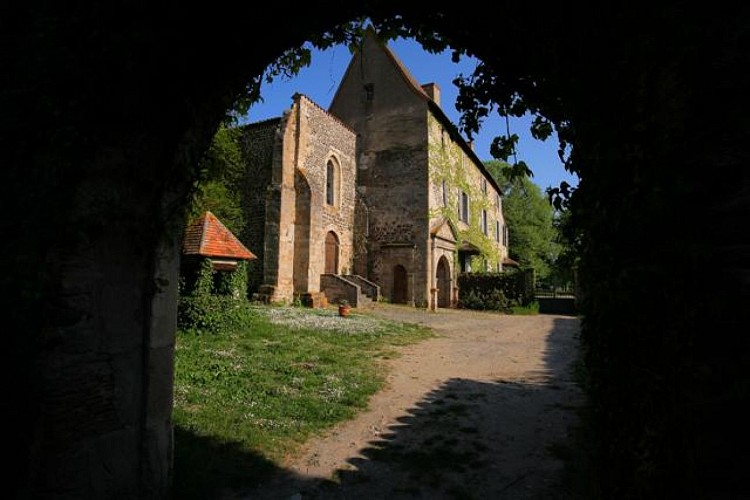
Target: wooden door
{"x": 443, "y": 283}
{"x": 332, "y": 253}
{"x": 400, "y": 285}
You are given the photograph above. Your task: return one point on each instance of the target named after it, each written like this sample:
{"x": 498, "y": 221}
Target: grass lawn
{"x": 246, "y": 399}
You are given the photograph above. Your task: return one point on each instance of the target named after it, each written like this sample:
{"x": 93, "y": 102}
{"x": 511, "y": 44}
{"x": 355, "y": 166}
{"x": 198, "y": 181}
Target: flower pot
{"x": 344, "y": 311}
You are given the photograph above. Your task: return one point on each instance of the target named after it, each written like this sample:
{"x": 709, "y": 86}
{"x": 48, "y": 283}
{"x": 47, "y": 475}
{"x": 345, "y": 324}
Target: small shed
{"x": 208, "y": 238}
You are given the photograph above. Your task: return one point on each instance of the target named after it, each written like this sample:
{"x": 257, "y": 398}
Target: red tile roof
{"x": 209, "y": 237}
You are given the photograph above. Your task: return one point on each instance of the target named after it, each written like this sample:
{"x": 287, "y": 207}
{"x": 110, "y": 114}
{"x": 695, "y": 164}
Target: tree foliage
{"x": 533, "y": 240}
{"x": 219, "y": 187}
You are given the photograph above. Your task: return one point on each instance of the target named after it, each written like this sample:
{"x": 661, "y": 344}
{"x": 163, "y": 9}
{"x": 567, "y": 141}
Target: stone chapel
{"x": 378, "y": 196}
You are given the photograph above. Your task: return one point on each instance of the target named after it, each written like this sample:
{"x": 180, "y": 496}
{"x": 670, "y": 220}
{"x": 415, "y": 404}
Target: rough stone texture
{"x": 257, "y": 146}
{"x": 467, "y": 173}
{"x": 400, "y": 198}
{"x": 292, "y": 169}
{"x": 338, "y": 288}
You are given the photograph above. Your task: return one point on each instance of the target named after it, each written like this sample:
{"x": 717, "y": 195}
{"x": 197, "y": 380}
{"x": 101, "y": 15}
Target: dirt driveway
{"x": 476, "y": 412}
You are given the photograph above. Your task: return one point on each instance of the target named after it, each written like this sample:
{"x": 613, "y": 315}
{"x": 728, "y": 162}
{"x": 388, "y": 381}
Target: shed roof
{"x": 208, "y": 237}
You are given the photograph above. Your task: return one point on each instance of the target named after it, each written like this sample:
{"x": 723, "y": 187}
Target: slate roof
{"x": 208, "y": 237}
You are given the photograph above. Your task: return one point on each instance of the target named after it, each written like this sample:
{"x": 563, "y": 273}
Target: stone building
{"x": 379, "y": 193}
{"x": 302, "y": 201}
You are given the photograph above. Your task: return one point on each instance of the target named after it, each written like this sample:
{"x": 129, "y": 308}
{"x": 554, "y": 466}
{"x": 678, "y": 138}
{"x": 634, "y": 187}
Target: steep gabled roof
{"x": 208, "y": 237}
{"x": 432, "y": 105}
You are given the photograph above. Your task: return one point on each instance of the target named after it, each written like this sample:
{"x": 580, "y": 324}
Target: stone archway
{"x": 102, "y": 239}
{"x": 443, "y": 283}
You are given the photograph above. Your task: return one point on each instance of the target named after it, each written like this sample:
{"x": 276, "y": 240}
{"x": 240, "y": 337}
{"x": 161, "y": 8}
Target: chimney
{"x": 433, "y": 92}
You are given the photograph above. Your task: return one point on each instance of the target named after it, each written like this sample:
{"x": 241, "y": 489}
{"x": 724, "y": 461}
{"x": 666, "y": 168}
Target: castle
{"x": 377, "y": 196}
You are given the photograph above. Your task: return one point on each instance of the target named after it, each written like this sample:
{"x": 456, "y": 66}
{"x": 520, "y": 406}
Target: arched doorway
{"x": 443, "y": 283}
{"x": 400, "y": 285}
{"x": 332, "y": 253}
{"x": 150, "y": 169}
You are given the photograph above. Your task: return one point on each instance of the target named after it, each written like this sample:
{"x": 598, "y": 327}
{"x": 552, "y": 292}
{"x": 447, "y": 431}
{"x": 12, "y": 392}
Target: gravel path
{"x": 472, "y": 413}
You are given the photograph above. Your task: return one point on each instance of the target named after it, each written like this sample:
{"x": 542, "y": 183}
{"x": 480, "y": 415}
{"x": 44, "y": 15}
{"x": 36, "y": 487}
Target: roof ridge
{"x": 204, "y": 230}
{"x": 328, "y": 113}
{"x": 260, "y": 122}
{"x": 216, "y": 240}
{"x": 435, "y": 107}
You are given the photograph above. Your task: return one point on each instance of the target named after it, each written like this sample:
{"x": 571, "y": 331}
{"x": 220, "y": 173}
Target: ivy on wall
{"x": 448, "y": 164}
{"x": 213, "y": 301}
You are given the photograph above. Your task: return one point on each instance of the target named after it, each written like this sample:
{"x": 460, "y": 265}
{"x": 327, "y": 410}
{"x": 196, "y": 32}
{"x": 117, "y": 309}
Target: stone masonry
{"x": 372, "y": 187}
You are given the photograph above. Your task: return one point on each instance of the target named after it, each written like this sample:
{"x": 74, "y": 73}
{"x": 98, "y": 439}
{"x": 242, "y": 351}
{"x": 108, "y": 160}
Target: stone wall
{"x": 377, "y": 100}
{"x": 452, "y": 171}
{"x": 322, "y": 138}
{"x": 395, "y": 189}
{"x": 257, "y": 147}
{"x": 288, "y": 216}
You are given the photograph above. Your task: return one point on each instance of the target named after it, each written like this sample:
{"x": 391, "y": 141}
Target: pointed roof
{"x": 412, "y": 83}
{"x": 507, "y": 261}
{"x": 208, "y": 237}
{"x": 437, "y": 229}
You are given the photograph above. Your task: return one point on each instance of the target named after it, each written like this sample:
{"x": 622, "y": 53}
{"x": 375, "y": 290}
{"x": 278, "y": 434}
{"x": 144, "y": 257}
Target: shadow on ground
{"x": 465, "y": 440}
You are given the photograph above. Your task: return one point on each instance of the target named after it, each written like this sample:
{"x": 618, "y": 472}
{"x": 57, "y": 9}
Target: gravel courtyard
{"x": 475, "y": 412}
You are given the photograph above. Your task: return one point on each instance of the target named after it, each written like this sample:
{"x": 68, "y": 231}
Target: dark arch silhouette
{"x": 400, "y": 280}
{"x": 443, "y": 282}
{"x": 106, "y": 114}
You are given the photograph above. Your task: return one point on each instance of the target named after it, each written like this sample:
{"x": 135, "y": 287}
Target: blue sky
{"x": 320, "y": 80}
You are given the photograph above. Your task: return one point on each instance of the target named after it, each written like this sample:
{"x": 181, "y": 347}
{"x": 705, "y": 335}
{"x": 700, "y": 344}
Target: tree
{"x": 530, "y": 218}
{"x": 218, "y": 188}
{"x": 568, "y": 240}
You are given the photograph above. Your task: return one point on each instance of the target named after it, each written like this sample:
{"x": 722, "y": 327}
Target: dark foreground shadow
{"x": 465, "y": 440}
{"x": 207, "y": 468}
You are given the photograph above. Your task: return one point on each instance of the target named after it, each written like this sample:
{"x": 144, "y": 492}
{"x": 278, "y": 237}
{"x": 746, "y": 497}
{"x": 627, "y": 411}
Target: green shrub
{"x": 215, "y": 303}
{"x": 212, "y": 314}
{"x": 493, "y": 300}
{"x": 497, "y": 291}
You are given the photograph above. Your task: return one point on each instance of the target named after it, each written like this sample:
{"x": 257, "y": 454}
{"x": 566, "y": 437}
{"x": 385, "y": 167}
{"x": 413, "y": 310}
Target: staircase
{"x": 359, "y": 291}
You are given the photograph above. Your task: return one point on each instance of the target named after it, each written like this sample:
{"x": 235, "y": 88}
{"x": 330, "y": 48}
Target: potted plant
{"x": 344, "y": 307}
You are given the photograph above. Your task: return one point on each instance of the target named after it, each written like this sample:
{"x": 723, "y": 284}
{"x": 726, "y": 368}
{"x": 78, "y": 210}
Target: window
{"x": 484, "y": 186}
{"x": 497, "y": 231}
{"x": 497, "y": 202}
{"x": 484, "y": 222}
{"x": 505, "y": 235}
{"x": 330, "y": 183}
{"x": 463, "y": 210}
{"x": 370, "y": 91}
